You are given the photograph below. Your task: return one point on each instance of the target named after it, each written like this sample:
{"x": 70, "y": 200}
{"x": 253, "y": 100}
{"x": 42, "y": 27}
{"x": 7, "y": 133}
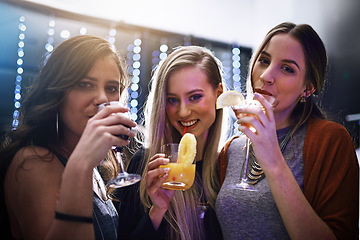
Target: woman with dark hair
{"x": 52, "y": 188}
{"x": 303, "y": 167}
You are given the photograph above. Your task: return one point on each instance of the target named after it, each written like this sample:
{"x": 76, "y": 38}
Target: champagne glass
{"x": 123, "y": 179}
{"x": 245, "y": 183}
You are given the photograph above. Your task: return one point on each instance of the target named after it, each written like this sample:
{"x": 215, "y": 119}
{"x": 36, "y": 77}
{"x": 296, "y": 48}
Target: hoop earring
{"x": 303, "y": 99}
{"x": 57, "y": 126}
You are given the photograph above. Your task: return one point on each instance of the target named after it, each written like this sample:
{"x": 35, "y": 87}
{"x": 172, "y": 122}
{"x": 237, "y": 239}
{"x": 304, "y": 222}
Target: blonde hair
{"x": 183, "y": 213}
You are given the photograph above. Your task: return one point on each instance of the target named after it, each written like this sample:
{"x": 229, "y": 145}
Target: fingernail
{"x": 166, "y": 170}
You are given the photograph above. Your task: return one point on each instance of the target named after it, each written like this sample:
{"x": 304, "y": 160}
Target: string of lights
{"x": 133, "y": 61}
{"x": 49, "y": 46}
{"x": 111, "y": 37}
{"x": 159, "y": 55}
{"x": 20, "y": 71}
{"x": 226, "y": 61}
{"x": 236, "y": 69}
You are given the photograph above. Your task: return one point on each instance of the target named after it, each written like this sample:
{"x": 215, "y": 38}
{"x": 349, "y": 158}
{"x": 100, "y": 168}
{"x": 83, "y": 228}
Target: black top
{"x": 135, "y": 222}
{"x": 105, "y": 219}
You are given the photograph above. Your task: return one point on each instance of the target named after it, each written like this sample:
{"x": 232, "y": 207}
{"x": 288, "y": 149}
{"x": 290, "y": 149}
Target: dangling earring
{"x": 57, "y": 126}
{"x": 303, "y": 99}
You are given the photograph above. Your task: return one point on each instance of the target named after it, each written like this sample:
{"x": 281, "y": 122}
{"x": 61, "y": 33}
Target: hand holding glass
{"x": 123, "y": 179}
{"x": 181, "y": 175}
{"x": 245, "y": 184}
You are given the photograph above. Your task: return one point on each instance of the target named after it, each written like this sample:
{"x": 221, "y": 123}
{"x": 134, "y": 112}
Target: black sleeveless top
{"x": 105, "y": 217}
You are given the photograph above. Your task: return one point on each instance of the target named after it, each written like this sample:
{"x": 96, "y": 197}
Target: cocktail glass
{"x": 181, "y": 175}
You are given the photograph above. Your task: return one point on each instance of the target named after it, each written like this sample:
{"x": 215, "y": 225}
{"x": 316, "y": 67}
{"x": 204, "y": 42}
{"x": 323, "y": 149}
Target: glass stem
{"x": 119, "y": 159}
{"x": 247, "y": 146}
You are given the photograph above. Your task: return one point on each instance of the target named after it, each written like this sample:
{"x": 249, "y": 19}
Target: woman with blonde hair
{"x": 183, "y": 96}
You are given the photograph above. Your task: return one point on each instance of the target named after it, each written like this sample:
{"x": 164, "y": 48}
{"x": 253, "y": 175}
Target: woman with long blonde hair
{"x": 182, "y": 98}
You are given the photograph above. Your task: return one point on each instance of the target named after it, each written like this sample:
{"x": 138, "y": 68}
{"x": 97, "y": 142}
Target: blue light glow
{"x": 136, "y": 57}
{"x": 136, "y": 64}
{"x": 83, "y": 30}
{"x": 134, "y": 87}
{"x": 52, "y": 23}
{"x": 136, "y": 72}
{"x": 163, "y": 56}
{"x": 65, "y": 34}
{"x": 134, "y": 103}
{"x": 137, "y": 42}
{"x": 133, "y": 59}
{"x": 137, "y": 49}
{"x": 17, "y": 104}
{"x": 164, "y": 48}
{"x": 135, "y": 79}
{"x": 21, "y": 53}
{"x": 20, "y": 71}
{"x": 134, "y": 95}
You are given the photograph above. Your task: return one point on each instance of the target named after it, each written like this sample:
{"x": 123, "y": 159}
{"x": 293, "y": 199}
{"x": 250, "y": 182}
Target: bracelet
{"x": 72, "y": 218}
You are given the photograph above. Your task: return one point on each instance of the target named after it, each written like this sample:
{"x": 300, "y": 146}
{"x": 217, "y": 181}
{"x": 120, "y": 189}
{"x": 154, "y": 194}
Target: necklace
{"x": 255, "y": 173}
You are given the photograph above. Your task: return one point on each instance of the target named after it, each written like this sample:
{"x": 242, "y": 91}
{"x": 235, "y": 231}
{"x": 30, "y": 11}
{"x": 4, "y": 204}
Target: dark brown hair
{"x": 316, "y": 63}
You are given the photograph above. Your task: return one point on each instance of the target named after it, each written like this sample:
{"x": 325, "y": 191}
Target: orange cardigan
{"x": 331, "y": 176}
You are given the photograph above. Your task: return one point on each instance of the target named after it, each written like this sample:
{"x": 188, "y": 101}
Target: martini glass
{"x": 123, "y": 179}
{"x": 245, "y": 183}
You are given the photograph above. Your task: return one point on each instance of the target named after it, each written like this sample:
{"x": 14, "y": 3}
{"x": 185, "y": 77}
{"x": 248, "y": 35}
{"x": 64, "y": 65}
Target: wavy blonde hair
{"x": 183, "y": 212}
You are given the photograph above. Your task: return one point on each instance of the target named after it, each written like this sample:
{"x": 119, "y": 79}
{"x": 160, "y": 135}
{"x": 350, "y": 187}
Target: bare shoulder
{"x": 31, "y": 186}
{"x": 34, "y": 159}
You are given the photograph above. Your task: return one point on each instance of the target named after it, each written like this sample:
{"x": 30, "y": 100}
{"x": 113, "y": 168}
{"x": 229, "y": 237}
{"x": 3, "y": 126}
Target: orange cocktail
{"x": 182, "y": 163}
{"x": 181, "y": 176}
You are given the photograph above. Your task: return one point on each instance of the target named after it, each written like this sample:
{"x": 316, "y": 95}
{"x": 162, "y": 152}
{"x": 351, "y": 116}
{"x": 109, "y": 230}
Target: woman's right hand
{"x": 101, "y": 133}
{"x": 159, "y": 196}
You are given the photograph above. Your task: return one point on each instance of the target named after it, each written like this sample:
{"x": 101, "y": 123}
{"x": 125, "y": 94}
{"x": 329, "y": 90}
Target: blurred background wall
{"x": 145, "y": 31}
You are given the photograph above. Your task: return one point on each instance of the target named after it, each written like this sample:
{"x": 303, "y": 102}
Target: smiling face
{"x": 280, "y": 70}
{"x": 100, "y": 85}
{"x": 190, "y": 101}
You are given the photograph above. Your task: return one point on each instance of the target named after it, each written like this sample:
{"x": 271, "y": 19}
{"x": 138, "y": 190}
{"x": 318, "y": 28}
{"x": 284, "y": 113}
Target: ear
{"x": 219, "y": 90}
{"x": 308, "y": 91}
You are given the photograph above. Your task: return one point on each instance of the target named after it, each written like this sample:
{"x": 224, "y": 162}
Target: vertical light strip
{"x": 226, "y": 61}
{"x": 20, "y": 71}
{"x": 163, "y": 51}
{"x": 159, "y": 55}
{"x": 155, "y": 59}
{"x": 111, "y": 37}
{"x": 236, "y": 77}
{"x": 49, "y": 46}
{"x": 133, "y": 61}
{"x": 236, "y": 69}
